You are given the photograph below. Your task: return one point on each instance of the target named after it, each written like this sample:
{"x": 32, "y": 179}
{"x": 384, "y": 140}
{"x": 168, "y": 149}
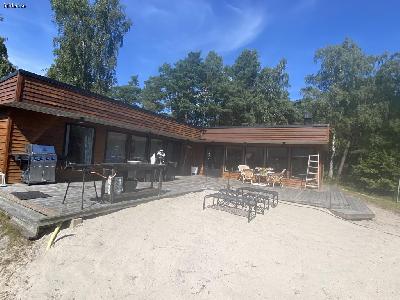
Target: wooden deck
{"x": 32, "y": 215}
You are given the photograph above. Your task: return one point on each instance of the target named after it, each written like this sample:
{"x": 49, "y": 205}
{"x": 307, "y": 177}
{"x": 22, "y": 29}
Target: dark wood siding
{"x": 8, "y": 90}
{"x": 268, "y": 135}
{"x": 4, "y": 141}
{"x": 47, "y": 130}
{"x": 42, "y": 93}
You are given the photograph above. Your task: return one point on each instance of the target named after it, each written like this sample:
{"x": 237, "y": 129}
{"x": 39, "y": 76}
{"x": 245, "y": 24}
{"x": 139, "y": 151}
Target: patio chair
{"x": 277, "y": 178}
{"x": 247, "y": 175}
{"x": 265, "y": 175}
{"x": 241, "y": 168}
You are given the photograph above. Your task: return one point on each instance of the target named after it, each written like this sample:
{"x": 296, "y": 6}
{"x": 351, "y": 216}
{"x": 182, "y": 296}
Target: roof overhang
{"x": 89, "y": 119}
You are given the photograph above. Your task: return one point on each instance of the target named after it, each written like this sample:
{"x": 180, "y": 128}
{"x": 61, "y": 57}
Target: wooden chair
{"x": 241, "y": 168}
{"x": 277, "y": 178}
{"x": 247, "y": 175}
{"x": 265, "y": 175}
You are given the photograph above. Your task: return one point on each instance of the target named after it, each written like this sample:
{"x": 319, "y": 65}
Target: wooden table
{"x": 258, "y": 175}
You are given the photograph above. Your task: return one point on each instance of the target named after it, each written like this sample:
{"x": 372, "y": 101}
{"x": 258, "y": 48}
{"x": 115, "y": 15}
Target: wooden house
{"x": 89, "y": 128}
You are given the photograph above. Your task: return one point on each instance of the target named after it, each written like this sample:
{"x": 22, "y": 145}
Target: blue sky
{"x": 164, "y": 31}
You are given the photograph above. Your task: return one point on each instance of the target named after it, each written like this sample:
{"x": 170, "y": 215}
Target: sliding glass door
{"x": 255, "y": 156}
{"x": 277, "y": 158}
{"x": 233, "y": 158}
{"x": 214, "y": 160}
{"x": 79, "y": 141}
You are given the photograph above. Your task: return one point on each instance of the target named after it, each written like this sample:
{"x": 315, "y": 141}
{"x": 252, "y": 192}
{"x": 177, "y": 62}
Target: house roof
{"x": 89, "y": 93}
{"x": 288, "y": 134}
{"x": 33, "y": 92}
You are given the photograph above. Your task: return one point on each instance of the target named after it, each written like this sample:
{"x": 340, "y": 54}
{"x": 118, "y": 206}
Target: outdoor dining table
{"x": 258, "y": 175}
{"x": 110, "y": 171}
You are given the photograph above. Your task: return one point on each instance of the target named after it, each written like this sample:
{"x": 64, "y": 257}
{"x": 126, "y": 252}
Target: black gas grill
{"x": 38, "y": 164}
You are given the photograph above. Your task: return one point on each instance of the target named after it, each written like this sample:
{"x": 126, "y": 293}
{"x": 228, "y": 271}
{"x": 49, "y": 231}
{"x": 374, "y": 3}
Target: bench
{"x": 227, "y": 197}
{"x": 264, "y": 195}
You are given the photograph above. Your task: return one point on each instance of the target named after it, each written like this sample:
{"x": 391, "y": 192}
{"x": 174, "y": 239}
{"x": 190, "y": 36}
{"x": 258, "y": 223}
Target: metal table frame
{"x": 114, "y": 168}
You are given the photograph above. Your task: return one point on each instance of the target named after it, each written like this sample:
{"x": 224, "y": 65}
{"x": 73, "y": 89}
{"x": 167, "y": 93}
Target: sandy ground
{"x": 172, "y": 249}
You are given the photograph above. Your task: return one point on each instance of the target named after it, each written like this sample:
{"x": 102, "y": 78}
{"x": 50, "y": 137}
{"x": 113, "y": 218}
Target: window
{"x": 255, "y": 157}
{"x": 156, "y": 145}
{"x": 138, "y": 148}
{"x": 173, "y": 151}
{"x": 116, "y": 147}
{"x": 79, "y": 142}
{"x": 300, "y": 160}
{"x": 214, "y": 157}
{"x": 234, "y": 158}
{"x": 277, "y": 158}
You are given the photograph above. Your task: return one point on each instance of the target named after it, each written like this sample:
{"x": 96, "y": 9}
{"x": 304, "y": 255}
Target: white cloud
{"x": 239, "y": 32}
{"x": 185, "y": 25}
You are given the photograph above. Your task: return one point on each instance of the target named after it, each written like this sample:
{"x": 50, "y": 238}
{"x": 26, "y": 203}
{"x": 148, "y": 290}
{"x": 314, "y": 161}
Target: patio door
{"x": 214, "y": 159}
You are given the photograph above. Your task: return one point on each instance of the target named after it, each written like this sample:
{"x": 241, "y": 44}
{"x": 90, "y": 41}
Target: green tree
{"x": 378, "y": 167}
{"x": 207, "y": 93}
{"x": 215, "y": 90}
{"x": 273, "y": 105}
{"x": 129, "y": 93}
{"x": 180, "y": 89}
{"x": 344, "y": 87}
{"x": 246, "y": 68}
{"x": 6, "y": 66}
{"x": 89, "y": 37}
{"x": 243, "y": 77}
{"x": 153, "y": 94}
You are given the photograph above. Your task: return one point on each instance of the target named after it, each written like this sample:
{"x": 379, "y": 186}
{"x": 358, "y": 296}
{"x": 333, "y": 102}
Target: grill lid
{"x": 39, "y": 149}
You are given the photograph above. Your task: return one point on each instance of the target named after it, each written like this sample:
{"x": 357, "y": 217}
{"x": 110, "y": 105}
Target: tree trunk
{"x": 343, "y": 160}
{"x": 330, "y": 173}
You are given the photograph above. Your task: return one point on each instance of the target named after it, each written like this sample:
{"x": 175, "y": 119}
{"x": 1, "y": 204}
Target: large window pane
{"x": 138, "y": 148}
{"x": 214, "y": 157}
{"x": 277, "y": 158}
{"x": 173, "y": 151}
{"x": 255, "y": 157}
{"x": 234, "y": 158}
{"x": 79, "y": 142}
{"x": 299, "y": 160}
{"x": 116, "y": 147}
{"x": 156, "y": 145}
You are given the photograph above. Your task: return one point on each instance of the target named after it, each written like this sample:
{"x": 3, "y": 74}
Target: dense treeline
{"x": 357, "y": 94}
{"x": 205, "y": 92}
